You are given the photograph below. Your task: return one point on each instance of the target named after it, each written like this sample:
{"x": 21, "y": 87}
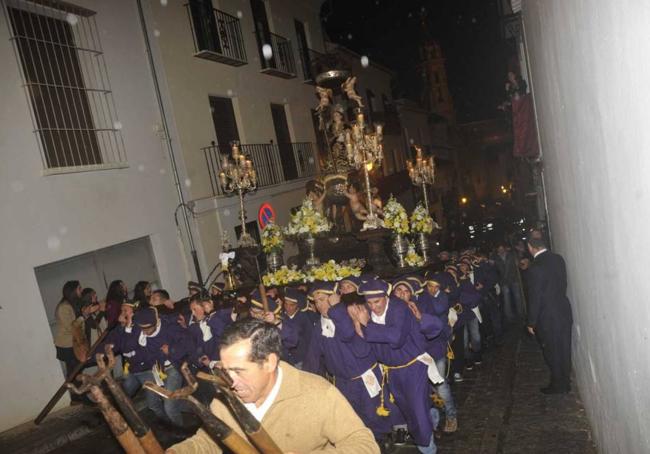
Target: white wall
{"x": 188, "y": 82}
{"x": 50, "y": 218}
{"x": 590, "y": 64}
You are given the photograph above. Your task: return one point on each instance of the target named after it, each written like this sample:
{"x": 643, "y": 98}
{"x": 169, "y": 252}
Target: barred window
{"x": 66, "y": 82}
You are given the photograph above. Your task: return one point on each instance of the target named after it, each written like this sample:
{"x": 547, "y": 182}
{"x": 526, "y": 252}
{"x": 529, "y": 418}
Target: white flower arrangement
{"x": 412, "y": 258}
{"x": 421, "y": 222}
{"x": 395, "y": 217}
{"x": 272, "y": 238}
{"x": 307, "y": 221}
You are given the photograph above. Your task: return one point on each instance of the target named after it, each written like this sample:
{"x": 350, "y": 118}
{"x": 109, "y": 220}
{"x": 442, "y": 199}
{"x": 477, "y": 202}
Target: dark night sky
{"x": 389, "y": 32}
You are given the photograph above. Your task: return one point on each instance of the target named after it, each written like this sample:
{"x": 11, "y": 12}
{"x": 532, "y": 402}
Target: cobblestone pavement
{"x": 501, "y": 411}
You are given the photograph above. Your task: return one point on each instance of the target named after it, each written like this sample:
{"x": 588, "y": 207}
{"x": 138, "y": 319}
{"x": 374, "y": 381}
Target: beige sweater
{"x": 308, "y": 415}
{"x": 65, "y": 315}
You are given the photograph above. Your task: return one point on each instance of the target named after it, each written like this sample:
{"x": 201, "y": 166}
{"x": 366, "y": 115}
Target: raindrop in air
{"x": 230, "y": 92}
{"x": 240, "y": 14}
{"x": 156, "y": 33}
{"x": 141, "y": 168}
{"x": 163, "y": 171}
{"x": 117, "y": 125}
{"x": 163, "y": 2}
{"x": 188, "y": 182}
{"x": 71, "y": 19}
{"x": 364, "y": 61}
{"x": 349, "y": 35}
{"x": 53, "y": 243}
{"x": 226, "y": 212}
{"x": 63, "y": 230}
{"x": 267, "y": 51}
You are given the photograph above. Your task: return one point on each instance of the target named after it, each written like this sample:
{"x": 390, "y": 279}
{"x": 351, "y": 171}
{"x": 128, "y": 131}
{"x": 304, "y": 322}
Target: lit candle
{"x": 360, "y": 118}
{"x": 379, "y": 129}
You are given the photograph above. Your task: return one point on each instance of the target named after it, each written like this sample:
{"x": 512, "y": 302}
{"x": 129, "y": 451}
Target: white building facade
{"x": 87, "y": 187}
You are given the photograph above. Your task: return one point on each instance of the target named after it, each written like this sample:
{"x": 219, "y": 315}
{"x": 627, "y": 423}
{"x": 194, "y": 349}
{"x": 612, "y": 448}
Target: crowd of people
{"x": 392, "y": 348}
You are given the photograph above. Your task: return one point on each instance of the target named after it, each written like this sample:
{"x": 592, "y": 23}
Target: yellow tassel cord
{"x": 125, "y": 368}
{"x": 437, "y": 400}
{"x": 382, "y": 410}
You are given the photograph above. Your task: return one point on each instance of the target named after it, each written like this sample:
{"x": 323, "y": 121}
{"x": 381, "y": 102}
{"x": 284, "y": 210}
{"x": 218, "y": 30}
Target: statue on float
{"x": 339, "y": 192}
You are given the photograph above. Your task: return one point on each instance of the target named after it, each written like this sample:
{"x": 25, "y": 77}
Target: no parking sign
{"x": 265, "y": 215}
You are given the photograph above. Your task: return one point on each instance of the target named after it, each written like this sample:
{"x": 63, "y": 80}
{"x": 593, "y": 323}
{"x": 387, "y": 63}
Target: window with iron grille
{"x": 66, "y": 82}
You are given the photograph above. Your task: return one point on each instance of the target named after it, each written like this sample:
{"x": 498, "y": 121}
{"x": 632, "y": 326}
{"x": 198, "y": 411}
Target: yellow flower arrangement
{"x": 272, "y": 238}
{"x": 331, "y": 271}
{"x": 283, "y": 276}
{"x": 412, "y": 258}
{"x": 421, "y": 222}
{"x": 307, "y": 221}
{"x": 395, "y": 217}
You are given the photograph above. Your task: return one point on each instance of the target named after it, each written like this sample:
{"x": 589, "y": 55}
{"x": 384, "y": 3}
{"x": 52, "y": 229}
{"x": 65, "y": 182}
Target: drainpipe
{"x": 170, "y": 147}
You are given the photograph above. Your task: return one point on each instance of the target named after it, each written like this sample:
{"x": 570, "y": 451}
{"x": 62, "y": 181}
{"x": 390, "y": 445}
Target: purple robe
{"x": 396, "y": 344}
{"x": 346, "y": 356}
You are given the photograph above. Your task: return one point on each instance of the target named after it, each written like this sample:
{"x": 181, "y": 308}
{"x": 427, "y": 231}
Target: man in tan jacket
{"x": 302, "y": 412}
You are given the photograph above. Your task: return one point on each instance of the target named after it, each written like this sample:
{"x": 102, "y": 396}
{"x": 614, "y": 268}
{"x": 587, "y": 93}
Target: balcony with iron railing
{"x": 217, "y": 35}
{"x": 280, "y": 61}
{"x": 269, "y": 160}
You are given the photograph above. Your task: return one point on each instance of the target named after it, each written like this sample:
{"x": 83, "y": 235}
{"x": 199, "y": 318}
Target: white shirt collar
{"x": 259, "y": 412}
{"x": 327, "y": 327}
{"x": 538, "y": 252}
{"x": 437, "y": 293}
{"x": 380, "y": 319}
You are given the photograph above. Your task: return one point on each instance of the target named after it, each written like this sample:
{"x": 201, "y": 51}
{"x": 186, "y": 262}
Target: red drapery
{"x": 524, "y": 127}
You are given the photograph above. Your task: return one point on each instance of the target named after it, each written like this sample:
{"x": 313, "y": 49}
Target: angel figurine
{"x": 325, "y": 97}
{"x": 348, "y": 88}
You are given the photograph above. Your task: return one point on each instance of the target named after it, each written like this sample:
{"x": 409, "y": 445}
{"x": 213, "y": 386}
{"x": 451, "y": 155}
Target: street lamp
{"x": 422, "y": 173}
{"x": 238, "y": 175}
{"x": 364, "y": 148}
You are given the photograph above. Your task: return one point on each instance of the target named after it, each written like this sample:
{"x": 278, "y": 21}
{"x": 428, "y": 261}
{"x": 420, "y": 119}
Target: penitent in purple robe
{"x": 395, "y": 344}
{"x": 346, "y": 356}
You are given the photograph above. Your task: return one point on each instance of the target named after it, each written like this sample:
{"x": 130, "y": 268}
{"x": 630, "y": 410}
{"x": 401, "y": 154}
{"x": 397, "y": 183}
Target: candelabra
{"x": 422, "y": 173}
{"x": 364, "y": 148}
{"x": 238, "y": 175}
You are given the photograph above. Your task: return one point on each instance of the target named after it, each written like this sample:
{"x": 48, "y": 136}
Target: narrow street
{"x": 501, "y": 411}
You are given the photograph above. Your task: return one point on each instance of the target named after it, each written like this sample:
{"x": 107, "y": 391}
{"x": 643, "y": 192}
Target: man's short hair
{"x": 264, "y": 337}
{"x": 200, "y": 297}
{"x": 536, "y": 243}
{"x": 164, "y": 294}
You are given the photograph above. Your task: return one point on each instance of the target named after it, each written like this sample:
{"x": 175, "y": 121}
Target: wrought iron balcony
{"x": 217, "y": 35}
{"x": 271, "y": 162}
{"x": 281, "y": 62}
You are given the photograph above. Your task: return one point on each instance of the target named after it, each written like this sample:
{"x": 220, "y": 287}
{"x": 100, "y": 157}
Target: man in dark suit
{"x": 549, "y": 313}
